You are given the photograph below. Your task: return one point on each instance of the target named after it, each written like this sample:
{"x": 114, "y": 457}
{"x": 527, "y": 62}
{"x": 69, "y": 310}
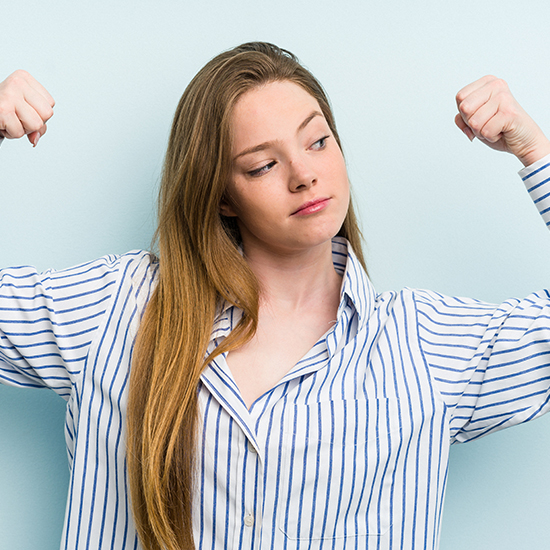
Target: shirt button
{"x": 249, "y": 520}
{"x": 251, "y": 448}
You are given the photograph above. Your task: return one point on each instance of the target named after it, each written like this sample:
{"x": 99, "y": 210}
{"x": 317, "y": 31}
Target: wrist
{"x": 536, "y": 153}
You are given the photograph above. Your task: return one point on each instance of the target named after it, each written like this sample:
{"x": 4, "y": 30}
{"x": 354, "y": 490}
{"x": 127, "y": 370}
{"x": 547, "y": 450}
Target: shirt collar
{"x": 357, "y": 290}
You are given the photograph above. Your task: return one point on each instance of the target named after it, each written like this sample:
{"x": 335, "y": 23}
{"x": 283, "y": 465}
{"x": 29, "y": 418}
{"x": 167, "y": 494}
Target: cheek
{"x": 255, "y": 212}
{"x": 237, "y": 200}
{"x": 340, "y": 177}
{"x": 342, "y": 169}
{"x": 247, "y": 207}
{"x": 255, "y": 199}
{"x": 334, "y": 166}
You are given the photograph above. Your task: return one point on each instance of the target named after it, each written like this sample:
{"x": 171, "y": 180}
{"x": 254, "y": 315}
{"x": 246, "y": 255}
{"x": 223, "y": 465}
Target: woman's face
{"x": 289, "y": 187}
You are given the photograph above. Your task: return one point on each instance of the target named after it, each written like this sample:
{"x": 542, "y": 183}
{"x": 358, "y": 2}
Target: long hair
{"x": 200, "y": 266}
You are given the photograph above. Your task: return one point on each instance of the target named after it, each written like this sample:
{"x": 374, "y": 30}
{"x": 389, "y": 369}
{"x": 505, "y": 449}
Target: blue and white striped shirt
{"x": 348, "y": 450}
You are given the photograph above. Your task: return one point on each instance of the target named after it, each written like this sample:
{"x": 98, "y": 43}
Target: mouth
{"x": 311, "y": 207}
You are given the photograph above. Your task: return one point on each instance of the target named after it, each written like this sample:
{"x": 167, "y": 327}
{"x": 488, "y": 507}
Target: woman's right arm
{"x": 25, "y": 107}
{"x": 49, "y": 321}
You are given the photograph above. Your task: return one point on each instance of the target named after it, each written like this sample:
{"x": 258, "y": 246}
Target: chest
{"x": 278, "y": 345}
{"x": 331, "y": 451}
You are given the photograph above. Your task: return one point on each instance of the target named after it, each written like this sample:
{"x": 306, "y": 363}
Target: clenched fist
{"x": 25, "y": 107}
{"x": 488, "y": 111}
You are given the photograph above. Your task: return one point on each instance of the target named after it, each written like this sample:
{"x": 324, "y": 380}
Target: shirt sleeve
{"x": 537, "y": 181}
{"x": 49, "y": 320}
{"x": 491, "y": 363}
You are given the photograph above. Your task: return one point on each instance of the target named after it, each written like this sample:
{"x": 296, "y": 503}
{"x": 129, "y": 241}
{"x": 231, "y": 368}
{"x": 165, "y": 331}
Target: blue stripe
{"x": 535, "y": 172}
{"x": 50, "y": 297}
{"x": 540, "y": 184}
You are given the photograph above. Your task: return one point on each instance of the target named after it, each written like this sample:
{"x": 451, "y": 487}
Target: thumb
{"x": 33, "y": 137}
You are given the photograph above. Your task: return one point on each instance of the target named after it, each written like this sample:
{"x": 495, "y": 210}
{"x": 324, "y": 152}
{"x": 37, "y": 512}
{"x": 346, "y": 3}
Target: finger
{"x": 29, "y": 118}
{"x": 459, "y": 121}
{"x": 39, "y": 103}
{"x": 36, "y": 86}
{"x": 495, "y": 127}
{"x": 481, "y": 116}
{"x": 470, "y": 88}
{"x": 13, "y": 129}
{"x": 492, "y": 92}
{"x": 33, "y": 137}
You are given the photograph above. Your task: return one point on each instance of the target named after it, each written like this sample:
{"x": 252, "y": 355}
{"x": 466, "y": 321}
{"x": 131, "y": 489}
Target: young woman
{"x": 275, "y": 399}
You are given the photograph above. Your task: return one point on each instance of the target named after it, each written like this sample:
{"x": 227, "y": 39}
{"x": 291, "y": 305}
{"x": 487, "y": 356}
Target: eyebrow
{"x": 268, "y": 144}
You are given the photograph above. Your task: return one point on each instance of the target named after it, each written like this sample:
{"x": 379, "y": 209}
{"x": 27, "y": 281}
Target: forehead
{"x": 273, "y": 108}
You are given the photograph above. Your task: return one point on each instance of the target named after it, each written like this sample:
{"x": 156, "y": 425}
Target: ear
{"x": 226, "y": 208}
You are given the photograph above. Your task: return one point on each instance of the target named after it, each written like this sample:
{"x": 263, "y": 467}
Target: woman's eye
{"x": 320, "y": 143}
{"x": 263, "y": 170}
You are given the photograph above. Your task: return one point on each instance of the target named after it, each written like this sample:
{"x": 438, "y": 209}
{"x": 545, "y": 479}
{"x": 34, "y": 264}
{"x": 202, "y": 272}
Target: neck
{"x": 298, "y": 279}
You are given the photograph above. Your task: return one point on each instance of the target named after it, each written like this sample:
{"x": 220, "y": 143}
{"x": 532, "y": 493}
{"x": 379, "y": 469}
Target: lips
{"x": 310, "y": 207}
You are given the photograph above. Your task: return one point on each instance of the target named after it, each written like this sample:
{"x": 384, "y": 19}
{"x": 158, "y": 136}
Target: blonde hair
{"x": 199, "y": 266}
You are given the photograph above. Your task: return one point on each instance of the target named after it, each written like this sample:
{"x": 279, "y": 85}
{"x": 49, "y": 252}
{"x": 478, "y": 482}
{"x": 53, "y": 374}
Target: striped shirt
{"x": 349, "y": 450}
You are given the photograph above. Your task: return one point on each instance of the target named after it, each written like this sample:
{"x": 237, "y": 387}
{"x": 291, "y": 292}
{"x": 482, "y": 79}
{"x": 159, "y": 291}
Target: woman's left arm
{"x": 487, "y": 110}
{"x": 491, "y": 364}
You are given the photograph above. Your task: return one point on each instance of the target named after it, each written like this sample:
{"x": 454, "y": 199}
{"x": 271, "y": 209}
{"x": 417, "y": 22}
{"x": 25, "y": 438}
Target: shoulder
{"x": 111, "y": 268}
{"x": 429, "y": 308}
{"x": 139, "y": 265}
{"x": 134, "y": 274}
{"x": 108, "y": 275}
{"x": 430, "y": 303}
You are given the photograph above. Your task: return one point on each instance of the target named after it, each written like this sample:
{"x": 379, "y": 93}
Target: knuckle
{"x": 4, "y": 107}
{"x": 20, "y": 73}
{"x": 36, "y": 127}
{"x": 16, "y": 78}
{"x": 487, "y": 135}
{"x": 33, "y": 124}
{"x": 33, "y": 127}
{"x": 465, "y": 109}
{"x": 474, "y": 124}
{"x": 501, "y": 84}
{"x": 6, "y": 111}
{"x": 509, "y": 110}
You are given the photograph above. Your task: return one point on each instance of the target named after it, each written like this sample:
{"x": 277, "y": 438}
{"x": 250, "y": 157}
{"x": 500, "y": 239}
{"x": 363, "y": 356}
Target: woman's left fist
{"x": 487, "y": 110}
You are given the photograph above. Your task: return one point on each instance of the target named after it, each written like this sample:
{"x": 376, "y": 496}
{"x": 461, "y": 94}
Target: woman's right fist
{"x": 25, "y": 107}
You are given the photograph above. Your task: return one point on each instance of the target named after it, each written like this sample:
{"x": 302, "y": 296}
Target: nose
{"x": 302, "y": 175}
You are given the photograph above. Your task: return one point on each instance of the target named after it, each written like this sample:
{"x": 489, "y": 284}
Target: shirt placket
{"x": 252, "y": 498}
{"x": 246, "y": 451}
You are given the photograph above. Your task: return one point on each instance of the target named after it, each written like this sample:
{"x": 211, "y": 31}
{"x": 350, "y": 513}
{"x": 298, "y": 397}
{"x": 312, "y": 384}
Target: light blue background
{"x": 438, "y": 212}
